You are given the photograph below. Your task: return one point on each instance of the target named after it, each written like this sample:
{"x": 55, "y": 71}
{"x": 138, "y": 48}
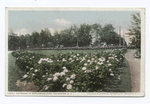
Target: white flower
{"x": 62, "y": 73}
{"x": 88, "y": 61}
{"x": 77, "y": 54}
{"x": 27, "y": 72}
{"x": 31, "y": 68}
{"x": 84, "y": 68}
{"x": 57, "y": 60}
{"x": 64, "y": 67}
{"x": 56, "y": 74}
{"x": 70, "y": 58}
{"x": 93, "y": 59}
{"x": 35, "y": 70}
{"x": 55, "y": 78}
{"x": 85, "y": 64}
{"x": 109, "y": 64}
{"x": 25, "y": 76}
{"x": 46, "y": 73}
{"x": 116, "y": 59}
{"x": 43, "y": 76}
{"x": 51, "y": 61}
{"x": 40, "y": 62}
{"x": 64, "y": 85}
{"x": 65, "y": 70}
{"x": 46, "y": 88}
{"x": 71, "y": 82}
{"x": 100, "y": 63}
{"x": 119, "y": 77}
{"x": 64, "y": 59}
{"x": 91, "y": 63}
{"x": 77, "y": 59}
{"x": 101, "y": 59}
{"x": 88, "y": 71}
{"x": 27, "y": 67}
{"x": 33, "y": 74}
{"x": 96, "y": 67}
{"x": 69, "y": 86}
{"x": 67, "y": 79}
{"x": 74, "y": 56}
{"x": 107, "y": 61}
{"x": 110, "y": 70}
{"x": 73, "y": 76}
{"x": 85, "y": 55}
{"x": 48, "y": 79}
{"x": 111, "y": 74}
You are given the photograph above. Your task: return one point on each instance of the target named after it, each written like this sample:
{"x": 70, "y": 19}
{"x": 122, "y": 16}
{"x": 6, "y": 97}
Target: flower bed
{"x": 75, "y": 72}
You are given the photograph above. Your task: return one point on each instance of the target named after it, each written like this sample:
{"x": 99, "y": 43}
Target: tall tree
{"x": 84, "y": 36}
{"x": 135, "y": 30}
{"x": 35, "y": 39}
{"x": 97, "y": 33}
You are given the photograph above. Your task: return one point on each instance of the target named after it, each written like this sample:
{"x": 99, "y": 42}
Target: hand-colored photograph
{"x": 75, "y": 51}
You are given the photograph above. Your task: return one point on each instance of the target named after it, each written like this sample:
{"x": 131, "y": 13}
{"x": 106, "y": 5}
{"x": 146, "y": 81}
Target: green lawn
{"x": 13, "y": 74}
{"x": 113, "y": 85}
{"x": 48, "y": 52}
{"x": 122, "y": 85}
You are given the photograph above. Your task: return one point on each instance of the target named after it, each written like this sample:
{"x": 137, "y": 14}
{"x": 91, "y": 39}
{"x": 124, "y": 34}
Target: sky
{"x": 27, "y": 21}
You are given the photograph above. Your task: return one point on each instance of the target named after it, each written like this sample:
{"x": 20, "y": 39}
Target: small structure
{"x": 103, "y": 44}
{"x": 61, "y": 46}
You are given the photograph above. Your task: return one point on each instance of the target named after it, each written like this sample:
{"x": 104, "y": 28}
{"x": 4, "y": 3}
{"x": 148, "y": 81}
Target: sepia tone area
{"x": 100, "y": 51}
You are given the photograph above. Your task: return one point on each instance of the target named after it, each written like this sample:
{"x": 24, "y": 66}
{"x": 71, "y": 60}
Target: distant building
{"x": 127, "y": 39}
{"x": 61, "y": 46}
{"x": 103, "y": 44}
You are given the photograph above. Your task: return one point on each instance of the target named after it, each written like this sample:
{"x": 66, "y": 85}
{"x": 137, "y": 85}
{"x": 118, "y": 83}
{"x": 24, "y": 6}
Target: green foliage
{"x": 13, "y": 42}
{"x": 73, "y": 72}
{"x": 70, "y": 37}
{"x": 135, "y": 30}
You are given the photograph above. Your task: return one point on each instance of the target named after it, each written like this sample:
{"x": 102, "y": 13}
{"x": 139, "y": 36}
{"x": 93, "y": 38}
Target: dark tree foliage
{"x": 84, "y": 36}
{"x": 13, "y": 42}
{"x": 70, "y": 37}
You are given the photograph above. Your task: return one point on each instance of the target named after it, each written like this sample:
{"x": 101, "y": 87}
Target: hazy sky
{"x": 27, "y": 21}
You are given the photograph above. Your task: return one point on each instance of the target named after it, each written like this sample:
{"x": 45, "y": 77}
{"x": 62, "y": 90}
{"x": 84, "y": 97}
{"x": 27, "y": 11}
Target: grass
{"x": 48, "y": 52}
{"x": 112, "y": 85}
{"x": 122, "y": 85}
{"x": 125, "y": 77}
{"x": 13, "y": 74}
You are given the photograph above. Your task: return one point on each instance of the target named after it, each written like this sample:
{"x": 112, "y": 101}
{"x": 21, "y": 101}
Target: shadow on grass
{"x": 13, "y": 74}
{"x": 123, "y": 84}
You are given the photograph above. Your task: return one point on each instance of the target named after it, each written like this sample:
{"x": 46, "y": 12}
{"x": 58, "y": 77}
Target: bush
{"x": 71, "y": 71}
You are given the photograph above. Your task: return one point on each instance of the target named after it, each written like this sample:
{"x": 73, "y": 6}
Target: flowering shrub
{"x": 76, "y": 72}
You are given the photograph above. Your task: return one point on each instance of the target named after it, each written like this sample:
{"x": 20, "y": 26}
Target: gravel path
{"x": 134, "y": 64}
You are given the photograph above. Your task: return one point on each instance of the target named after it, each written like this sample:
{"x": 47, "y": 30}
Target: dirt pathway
{"x": 134, "y": 64}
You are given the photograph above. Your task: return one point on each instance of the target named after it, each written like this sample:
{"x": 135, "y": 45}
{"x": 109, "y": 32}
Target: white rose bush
{"x": 69, "y": 72}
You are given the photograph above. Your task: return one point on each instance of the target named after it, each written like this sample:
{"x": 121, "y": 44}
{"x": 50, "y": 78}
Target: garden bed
{"x": 76, "y": 72}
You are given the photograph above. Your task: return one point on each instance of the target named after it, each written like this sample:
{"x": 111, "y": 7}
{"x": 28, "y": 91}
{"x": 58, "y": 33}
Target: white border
{"x": 142, "y": 90}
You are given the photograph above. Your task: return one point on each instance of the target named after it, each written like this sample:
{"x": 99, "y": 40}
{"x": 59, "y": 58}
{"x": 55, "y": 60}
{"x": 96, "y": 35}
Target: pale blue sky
{"x": 28, "y": 21}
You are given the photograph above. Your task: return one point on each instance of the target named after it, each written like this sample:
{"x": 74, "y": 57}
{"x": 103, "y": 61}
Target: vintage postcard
{"x": 75, "y": 51}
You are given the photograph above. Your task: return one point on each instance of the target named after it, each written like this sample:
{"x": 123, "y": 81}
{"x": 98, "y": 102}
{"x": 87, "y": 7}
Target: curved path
{"x": 134, "y": 64}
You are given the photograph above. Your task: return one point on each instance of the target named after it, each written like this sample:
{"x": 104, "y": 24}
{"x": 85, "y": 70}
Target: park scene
{"x": 74, "y": 51}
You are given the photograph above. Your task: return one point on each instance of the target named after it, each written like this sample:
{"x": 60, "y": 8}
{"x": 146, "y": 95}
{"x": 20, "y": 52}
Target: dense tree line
{"x": 70, "y": 37}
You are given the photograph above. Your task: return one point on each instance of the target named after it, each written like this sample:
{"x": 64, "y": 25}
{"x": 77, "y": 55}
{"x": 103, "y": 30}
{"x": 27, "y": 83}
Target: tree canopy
{"x": 71, "y": 37}
{"x": 135, "y": 30}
